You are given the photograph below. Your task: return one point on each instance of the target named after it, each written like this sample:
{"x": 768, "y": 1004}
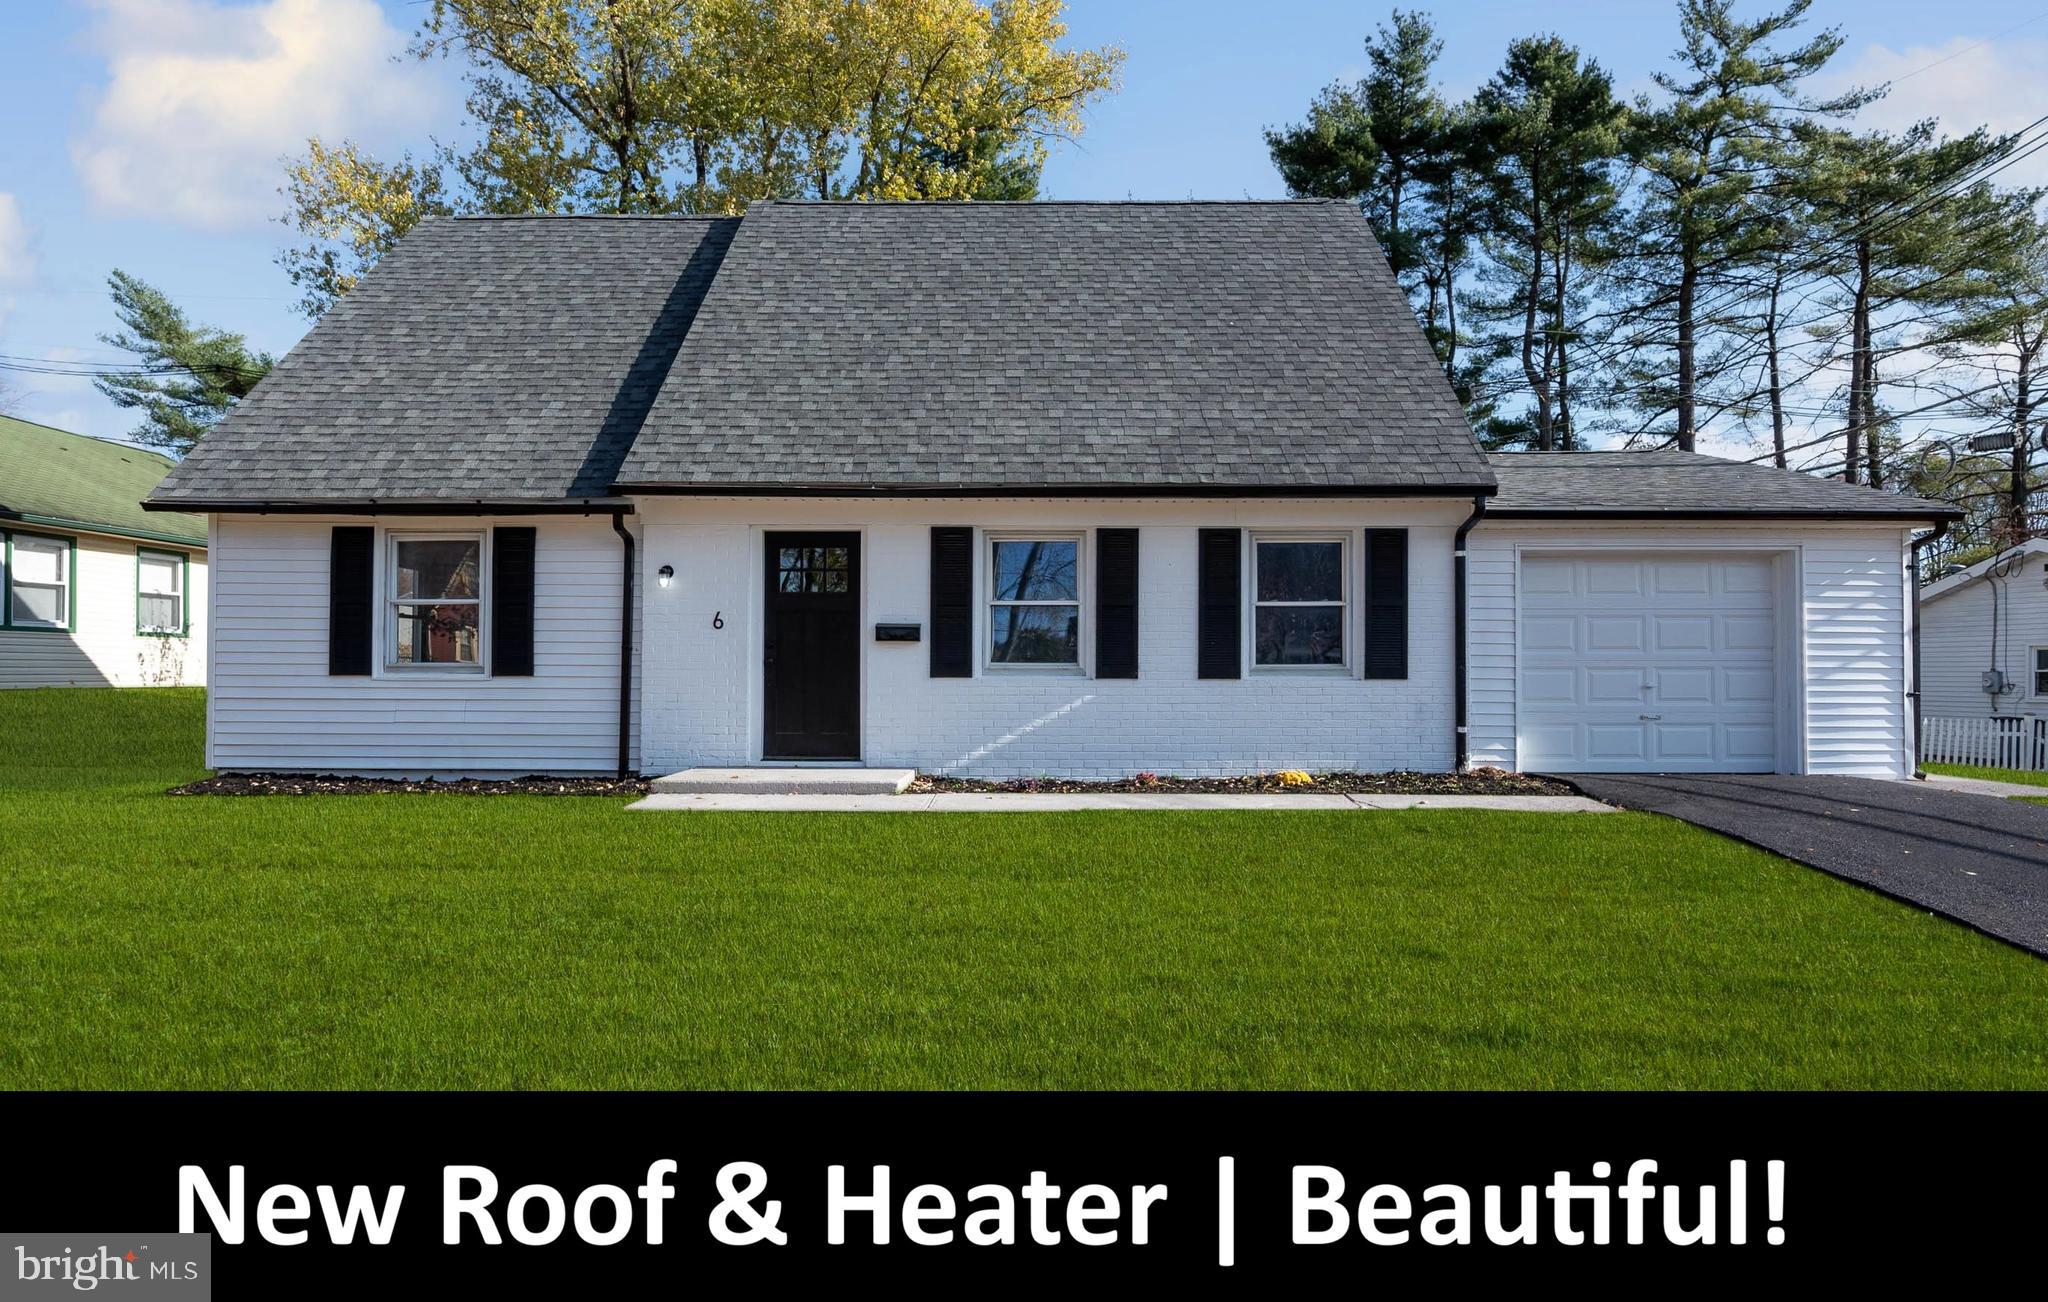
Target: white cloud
{"x": 1971, "y": 83}
{"x": 204, "y": 99}
{"x": 17, "y": 254}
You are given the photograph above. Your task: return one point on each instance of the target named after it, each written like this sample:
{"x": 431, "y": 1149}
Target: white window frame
{"x": 990, "y": 604}
{"x": 1346, "y": 603}
{"x": 67, "y": 553}
{"x": 2035, "y": 670}
{"x": 181, "y": 563}
{"x": 391, "y": 664}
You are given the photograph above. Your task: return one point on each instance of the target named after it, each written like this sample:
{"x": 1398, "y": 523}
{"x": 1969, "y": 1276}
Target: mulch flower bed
{"x": 313, "y": 784}
{"x": 1478, "y": 782}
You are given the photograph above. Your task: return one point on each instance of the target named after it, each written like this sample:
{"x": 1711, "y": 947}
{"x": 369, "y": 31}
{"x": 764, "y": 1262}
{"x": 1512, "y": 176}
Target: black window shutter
{"x": 1116, "y": 603}
{"x": 1386, "y": 603}
{"x": 512, "y": 602}
{"x": 351, "y": 573}
{"x": 952, "y": 601}
{"x": 1219, "y": 640}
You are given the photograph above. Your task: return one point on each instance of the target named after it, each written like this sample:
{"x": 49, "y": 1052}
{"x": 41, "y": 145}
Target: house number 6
{"x": 718, "y": 619}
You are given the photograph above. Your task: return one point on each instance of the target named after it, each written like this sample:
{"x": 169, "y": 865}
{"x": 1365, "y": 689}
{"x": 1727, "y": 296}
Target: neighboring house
{"x": 1984, "y": 637}
{"x": 94, "y": 591}
{"x": 1008, "y": 489}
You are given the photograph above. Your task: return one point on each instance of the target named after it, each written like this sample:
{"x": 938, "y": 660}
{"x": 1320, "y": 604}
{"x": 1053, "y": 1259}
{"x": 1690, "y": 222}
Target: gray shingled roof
{"x": 1683, "y": 484}
{"x": 1068, "y": 346}
{"x": 485, "y": 359}
{"x": 1080, "y": 346}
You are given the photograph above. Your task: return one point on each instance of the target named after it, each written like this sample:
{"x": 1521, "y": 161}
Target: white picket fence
{"x": 2003, "y": 741}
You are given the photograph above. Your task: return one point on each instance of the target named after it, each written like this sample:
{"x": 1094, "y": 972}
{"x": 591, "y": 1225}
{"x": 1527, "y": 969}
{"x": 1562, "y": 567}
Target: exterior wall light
{"x": 667, "y": 575}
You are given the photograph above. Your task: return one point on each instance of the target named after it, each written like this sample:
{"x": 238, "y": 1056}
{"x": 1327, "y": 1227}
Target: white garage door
{"x": 1651, "y": 662}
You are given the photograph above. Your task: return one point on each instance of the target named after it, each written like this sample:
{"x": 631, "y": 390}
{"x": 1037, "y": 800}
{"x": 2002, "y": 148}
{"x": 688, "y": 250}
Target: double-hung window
{"x": 1034, "y": 609}
{"x": 434, "y": 601}
{"x": 2041, "y": 671}
{"x": 39, "y": 581}
{"x": 1300, "y": 611}
{"x": 160, "y": 593}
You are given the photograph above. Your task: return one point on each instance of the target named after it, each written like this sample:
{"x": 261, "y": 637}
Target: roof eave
{"x": 111, "y": 530}
{"x": 774, "y": 489}
{"x": 1703, "y": 513}
{"x": 407, "y": 506}
{"x": 1975, "y": 574}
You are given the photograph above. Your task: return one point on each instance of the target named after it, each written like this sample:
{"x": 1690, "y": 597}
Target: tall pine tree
{"x": 1702, "y": 157}
{"x": 1548, "y": 135}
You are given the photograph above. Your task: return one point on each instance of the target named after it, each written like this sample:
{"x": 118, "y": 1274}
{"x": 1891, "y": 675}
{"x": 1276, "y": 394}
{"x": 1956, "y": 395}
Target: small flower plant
{"x": 1293, "y": 778}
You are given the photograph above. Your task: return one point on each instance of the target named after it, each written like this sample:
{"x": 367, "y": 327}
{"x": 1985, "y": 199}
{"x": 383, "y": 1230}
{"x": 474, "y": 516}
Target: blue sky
{"x": 145, "y": 134}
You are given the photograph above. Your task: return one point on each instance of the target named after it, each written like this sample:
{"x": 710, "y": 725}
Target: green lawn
{"x": 148, "y": 941}
{"x": 2025, "y": 776}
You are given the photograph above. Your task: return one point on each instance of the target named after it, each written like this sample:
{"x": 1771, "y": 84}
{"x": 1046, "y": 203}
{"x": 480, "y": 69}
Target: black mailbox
{"x": 897, "y": 632}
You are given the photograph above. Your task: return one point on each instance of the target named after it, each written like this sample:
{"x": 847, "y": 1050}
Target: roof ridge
{"x": 6, "y": 417}
{"x": 887, "y": 204}
{"x": 1049, "y": 203}
{"x": 591, "y": 217}
{"x": 1614, "y": 452}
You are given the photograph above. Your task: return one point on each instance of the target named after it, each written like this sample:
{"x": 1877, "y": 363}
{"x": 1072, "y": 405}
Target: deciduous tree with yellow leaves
{"x": 663, "y": 106}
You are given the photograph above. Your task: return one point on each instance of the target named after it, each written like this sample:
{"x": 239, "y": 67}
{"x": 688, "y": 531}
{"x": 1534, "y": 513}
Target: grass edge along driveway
{"x": 430, "y": 941}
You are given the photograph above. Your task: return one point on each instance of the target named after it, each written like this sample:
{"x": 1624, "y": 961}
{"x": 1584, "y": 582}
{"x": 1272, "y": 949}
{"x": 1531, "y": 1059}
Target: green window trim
{"x": 7, "y": 537}
{"x": 184, "y": 560}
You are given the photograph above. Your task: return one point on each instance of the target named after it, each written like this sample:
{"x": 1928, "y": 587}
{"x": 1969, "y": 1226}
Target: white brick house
{"x": 1066, "y": 489}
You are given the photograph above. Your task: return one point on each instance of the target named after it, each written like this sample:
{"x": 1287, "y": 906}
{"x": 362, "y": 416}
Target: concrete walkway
{"x": 1982, "y": 860}
{"x": 1986, "y": 787}
{"x": 960, "y": 802}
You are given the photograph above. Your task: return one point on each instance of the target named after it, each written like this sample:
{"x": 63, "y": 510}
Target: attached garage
{"x": 1658, "y": 662}
{"x": 1664, "y": 612}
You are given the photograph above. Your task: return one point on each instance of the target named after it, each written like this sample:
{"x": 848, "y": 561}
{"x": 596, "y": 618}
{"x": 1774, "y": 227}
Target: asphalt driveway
{"x": 1981, "y": 860}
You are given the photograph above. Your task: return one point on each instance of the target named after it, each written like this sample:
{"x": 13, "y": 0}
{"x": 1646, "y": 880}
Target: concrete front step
{"x": 785, "y": 782}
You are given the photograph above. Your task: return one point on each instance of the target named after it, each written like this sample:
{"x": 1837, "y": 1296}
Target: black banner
{"x": 997, "y": 1189}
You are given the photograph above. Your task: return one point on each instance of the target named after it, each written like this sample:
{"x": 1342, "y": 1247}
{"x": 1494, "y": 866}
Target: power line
{"x": 68, "y": 366}
{"x": 2025, "y": 22}
{"x": 1973, "y": 171}
{"x": 1887, "y": 419}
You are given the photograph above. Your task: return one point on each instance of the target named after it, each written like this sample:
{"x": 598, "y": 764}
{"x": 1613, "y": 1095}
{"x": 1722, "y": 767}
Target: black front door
{"x": 811, "y": 673}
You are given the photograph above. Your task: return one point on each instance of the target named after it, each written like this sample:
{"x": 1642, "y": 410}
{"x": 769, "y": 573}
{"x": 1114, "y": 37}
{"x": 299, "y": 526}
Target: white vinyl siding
{"x": 274, "y": 706}
{"x": 103, "y": 649}
{"x": 1956, "y": 640}
{"x": 1851, "y": 662}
